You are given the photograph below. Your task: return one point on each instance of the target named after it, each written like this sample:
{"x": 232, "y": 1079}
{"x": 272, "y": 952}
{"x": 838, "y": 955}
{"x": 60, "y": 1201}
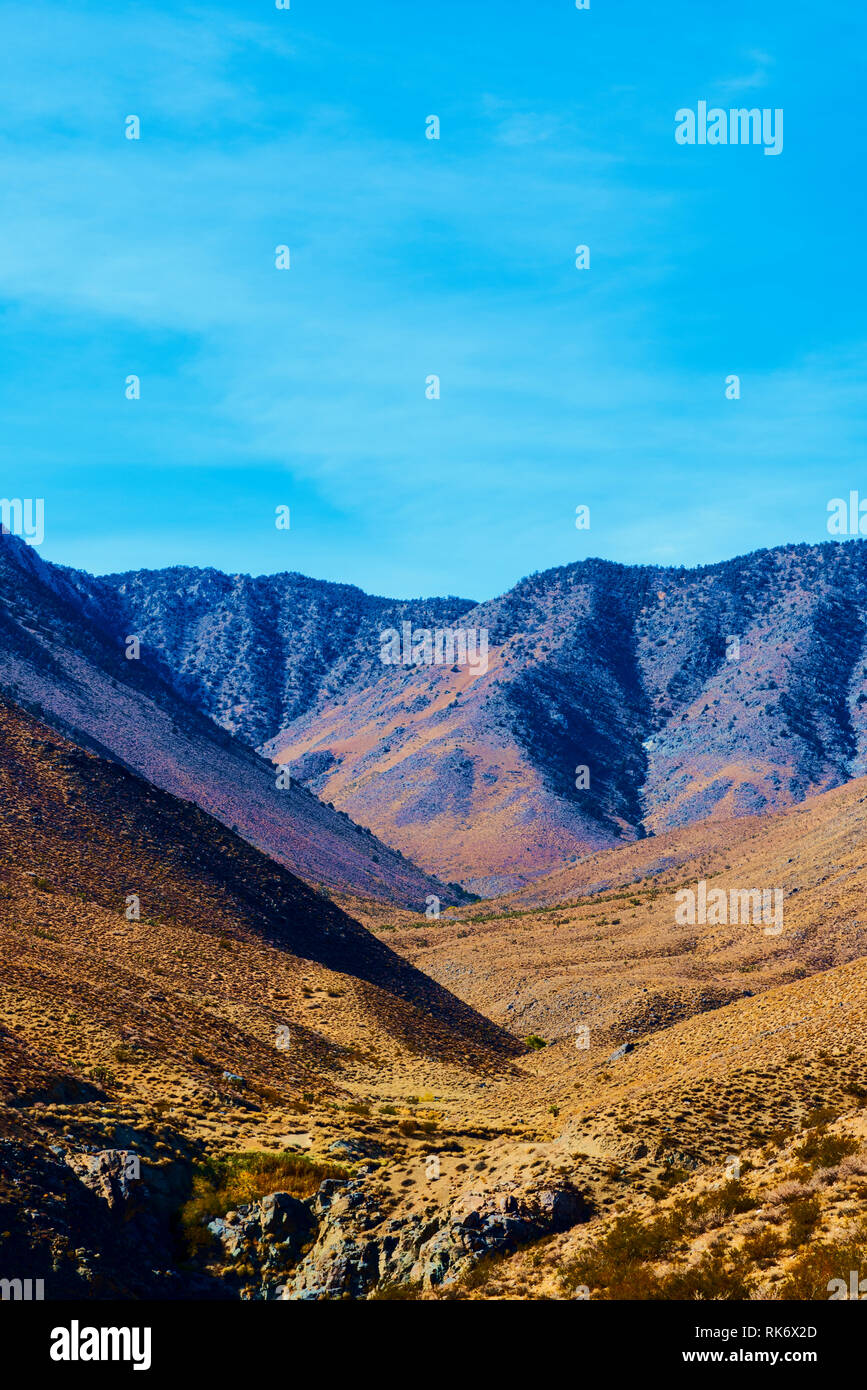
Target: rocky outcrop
{"x": 359, "y": 1247}
{"x": 265, "y": 1236}
{"x": 113, "y": 1175}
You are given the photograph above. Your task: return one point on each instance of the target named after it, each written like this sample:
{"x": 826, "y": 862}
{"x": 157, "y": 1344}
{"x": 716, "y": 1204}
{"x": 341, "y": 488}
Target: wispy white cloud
{"x": 408, "y": 258}
{"x": 757, "y": 75}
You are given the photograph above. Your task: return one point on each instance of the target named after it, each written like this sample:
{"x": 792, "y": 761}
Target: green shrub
{"x": 823, "y": 1150}
{"x": 222, "y": 1184}
{"x": 611, "y": 1263}
{"x": 804, "y": 1216}
{"x": 810, "y": 1274}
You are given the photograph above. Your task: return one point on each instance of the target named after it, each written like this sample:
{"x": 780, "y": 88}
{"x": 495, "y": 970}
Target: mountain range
{"x": 241, "y": 1057}
{"x": 718, "y": 692}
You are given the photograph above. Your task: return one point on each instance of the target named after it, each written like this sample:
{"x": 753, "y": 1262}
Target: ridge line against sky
{"x": 672, "y": 570}
{"x": 410, "y": 257}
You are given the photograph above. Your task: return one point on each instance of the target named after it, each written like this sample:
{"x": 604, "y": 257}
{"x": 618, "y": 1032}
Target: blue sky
{"x": 306, "y": 387}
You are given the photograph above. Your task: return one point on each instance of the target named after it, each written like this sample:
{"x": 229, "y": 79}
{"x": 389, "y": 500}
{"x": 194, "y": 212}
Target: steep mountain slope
{"x": 62, "y": 654}
{"x": 720, "y": 691}
{"x": 258, "y": 652}
{"x": 234, "y": 1009}
{"x": 79, "y": 829}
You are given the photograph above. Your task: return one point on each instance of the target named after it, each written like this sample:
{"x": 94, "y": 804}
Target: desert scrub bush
{"x": 823, "y": 1150}
{"x": 854, "y": 1088}
{"x": 534, "y": 1042}
{"x": 788, "y": 1191}
{"x": 102, "y": 1076}
{"x": 636, "y": 1283}
{"x": 482, "y": 1275}
{"x": 712, "y": 1208}
{"x": 854, "y": 1165}
{"x": 611, "y": 1264}
{"x": 805, "y": 1214}
{"x": 672, "y": 1176}
{"x": 718, "y": 1275}
{"x": 393, "y": 1293}
{"x": 269, "y": 1095}
{"x": 765, "y": 1244}
{"x": 811, "y": 1272}
{"x": 822, "y": 1115}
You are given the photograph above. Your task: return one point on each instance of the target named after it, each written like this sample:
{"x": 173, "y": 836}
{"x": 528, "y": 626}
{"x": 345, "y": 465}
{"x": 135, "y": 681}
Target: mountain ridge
{"x": 719, "y": 690}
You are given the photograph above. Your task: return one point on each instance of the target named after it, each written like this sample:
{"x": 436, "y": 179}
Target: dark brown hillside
{"x": 74, "y": 826}
{"x": 241, "y": 1012}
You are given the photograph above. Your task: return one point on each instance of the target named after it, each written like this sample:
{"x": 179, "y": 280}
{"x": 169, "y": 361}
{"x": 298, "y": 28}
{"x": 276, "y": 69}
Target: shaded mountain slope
{"x": 62, "y": 654}
{"x": 258, "y": 652}
{"x": 80, "y": 834}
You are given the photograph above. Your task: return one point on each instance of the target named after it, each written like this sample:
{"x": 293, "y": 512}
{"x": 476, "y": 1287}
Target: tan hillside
{"x": 415, "y": 1148}
{"x": 617, "y": 961}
